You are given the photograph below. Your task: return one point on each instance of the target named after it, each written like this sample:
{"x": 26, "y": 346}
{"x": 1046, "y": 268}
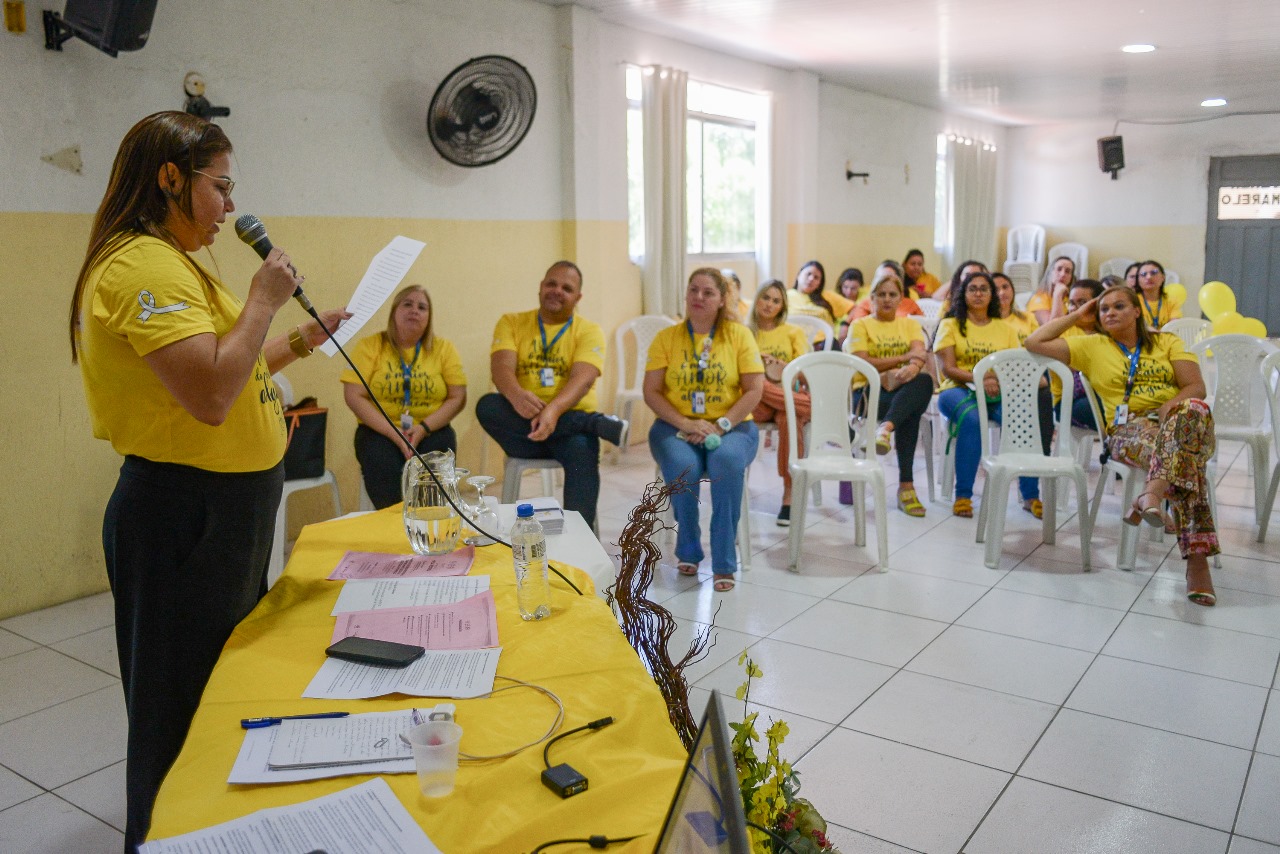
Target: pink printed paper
{"x": 363, "y": 566}
{"x": 469, "y": 624}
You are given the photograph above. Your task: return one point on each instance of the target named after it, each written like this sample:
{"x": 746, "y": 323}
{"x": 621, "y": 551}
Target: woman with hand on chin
{"x": 1153, "y": 401}
{"x": 177, "y": 374}
{"x": 418, "y": 379}
{"x": 779, "y": 343}
{"x": 895, "y": 346}
{"x": 1050, "y": 297}
{"x": 971, "y": 331}
{"x": 702, "y": 379}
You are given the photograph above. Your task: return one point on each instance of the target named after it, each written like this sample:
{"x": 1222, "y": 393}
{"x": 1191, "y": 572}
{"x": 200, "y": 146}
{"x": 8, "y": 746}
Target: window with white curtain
{"x": 964, "y": 199}
{"x": 722, "y": 174}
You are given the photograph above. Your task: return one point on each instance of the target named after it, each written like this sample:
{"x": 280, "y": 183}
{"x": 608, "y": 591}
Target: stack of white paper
{"x": 549, "y": 514}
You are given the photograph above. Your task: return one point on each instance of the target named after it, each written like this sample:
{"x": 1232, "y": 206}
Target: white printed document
{"x": 353, "y": 740}
{"x": 364, "y": 819}
{"x": 469, "y": 624}
{"x": 407, "y": 592}
{"x": 386, "y": 271}
{"x": 439, "y": 673}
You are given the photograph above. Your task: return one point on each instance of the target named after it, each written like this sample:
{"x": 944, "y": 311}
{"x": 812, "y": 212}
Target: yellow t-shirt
{"x": 1054, "y": 385}
{"x": 430, "y": 374}
{"x": 1100, "y": 359}
{"x": 1023, "y": 326}
{"x": 1160, "y": 312}
{"x": 733, "y": 354}
{"x": 784, "y": 342}
{"x": 582, "y": 341}
{"x": 145, "y": 295}
{"x": 1040, "y": 301}
{"x": 800, "y": 303}
{"x": 976, "y": 343}
{"x": 881, "y": 340}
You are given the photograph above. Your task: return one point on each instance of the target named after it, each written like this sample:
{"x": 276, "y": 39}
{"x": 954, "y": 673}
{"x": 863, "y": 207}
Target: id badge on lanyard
{"x": 698, "y": 400}
{"x": 547, "y": 377}
{"x": 1122, "y": 410}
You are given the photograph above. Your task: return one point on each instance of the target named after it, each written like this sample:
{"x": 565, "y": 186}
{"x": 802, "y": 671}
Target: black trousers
{"x": 187, "y": 553}
{"x": 382, "y": 461}
{"x": 574, "y": 444}
{"x": 904, "y": 406}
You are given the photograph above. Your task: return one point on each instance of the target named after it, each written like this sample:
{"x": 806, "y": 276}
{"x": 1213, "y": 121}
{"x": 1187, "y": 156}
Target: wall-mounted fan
{"x": 482, "y": 111}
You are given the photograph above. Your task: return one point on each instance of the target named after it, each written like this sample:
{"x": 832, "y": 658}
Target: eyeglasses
{"x": 225, "y": 185}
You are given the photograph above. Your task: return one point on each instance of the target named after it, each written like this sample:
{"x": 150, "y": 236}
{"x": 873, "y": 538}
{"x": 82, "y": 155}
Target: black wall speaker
{"x": 1111, "y": 154}
{"x": 111, "y": 25}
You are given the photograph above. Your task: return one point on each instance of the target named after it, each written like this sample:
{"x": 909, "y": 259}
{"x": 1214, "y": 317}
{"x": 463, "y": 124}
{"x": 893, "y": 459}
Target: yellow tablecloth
{"x": 579, "y": 653}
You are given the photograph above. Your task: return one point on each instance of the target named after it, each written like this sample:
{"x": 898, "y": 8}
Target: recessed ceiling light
{"x": 1138, "y": 48}
{"x": 1214, "y": 102}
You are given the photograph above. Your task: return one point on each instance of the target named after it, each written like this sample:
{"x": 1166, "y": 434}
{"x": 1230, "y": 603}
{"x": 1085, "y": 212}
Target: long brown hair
{"x": 428, "y": 336}
{"x": 134, "y": 203}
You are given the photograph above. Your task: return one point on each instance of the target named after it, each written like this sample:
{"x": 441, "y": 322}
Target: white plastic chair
{"x": 1114, "y": 267}
{"x": 1077, "y": 252}
{"x": 1020, "y": 453}
{"x": 814, "y": 328}
{"x": 1192, "y": 330}
{"x": 630, "y": 387}
{"x": 829, "y": 455}
{"x": 1025, "y": 243}
{"x": 1025, "y": 276}
{"x": 1020, "y": 300}
{"x": 1171, "y": 277}
{"x": 1236, "y": 392}
{"x": 1271, "y": 382}
{"x": 932, "y": 308}
{"x": 275, "y": 568}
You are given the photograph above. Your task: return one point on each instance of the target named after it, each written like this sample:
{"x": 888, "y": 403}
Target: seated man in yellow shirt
{"x": 545, "y": 364}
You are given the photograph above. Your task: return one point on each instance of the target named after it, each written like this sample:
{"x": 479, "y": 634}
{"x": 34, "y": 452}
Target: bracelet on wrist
{"x": 297, "y": 344}
{"x": 425, "y": 427}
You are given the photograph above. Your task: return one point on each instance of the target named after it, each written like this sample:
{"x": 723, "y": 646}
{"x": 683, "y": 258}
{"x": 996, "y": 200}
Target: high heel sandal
{"x": 1152, "y": 514}
{"x": 1203, "y": 597}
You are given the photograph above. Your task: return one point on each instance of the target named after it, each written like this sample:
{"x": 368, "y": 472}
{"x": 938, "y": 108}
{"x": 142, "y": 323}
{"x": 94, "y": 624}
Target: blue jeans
{"x": 968, "y": 443}
{"x": 570, "y": 444}
{"x": 726, "y": 468}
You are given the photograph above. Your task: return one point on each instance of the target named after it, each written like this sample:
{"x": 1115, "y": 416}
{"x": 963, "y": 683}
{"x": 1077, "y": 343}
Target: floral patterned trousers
{"x": 1178, "y": 451}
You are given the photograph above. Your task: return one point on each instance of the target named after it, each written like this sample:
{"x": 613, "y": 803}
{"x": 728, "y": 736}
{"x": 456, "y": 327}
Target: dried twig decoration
{"x": 647, "y": 625}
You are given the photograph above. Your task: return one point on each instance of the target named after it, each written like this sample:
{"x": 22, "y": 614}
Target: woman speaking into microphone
{"x": 177, "y": 373}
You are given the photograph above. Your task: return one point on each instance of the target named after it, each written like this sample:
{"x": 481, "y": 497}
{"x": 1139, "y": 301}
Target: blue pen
{"x": 258, "y": 723}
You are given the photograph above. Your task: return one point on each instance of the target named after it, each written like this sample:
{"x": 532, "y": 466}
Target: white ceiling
{"x": 1011, "y": 62}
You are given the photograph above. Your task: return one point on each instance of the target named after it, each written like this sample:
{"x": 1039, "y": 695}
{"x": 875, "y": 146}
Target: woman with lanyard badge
{"x": 1153, "y": 399}
{"x": 416, "y": 375}
{"x": 182, "y": 389}
{"x": 702, "y": 379}
{"x": 1158, "y": 307}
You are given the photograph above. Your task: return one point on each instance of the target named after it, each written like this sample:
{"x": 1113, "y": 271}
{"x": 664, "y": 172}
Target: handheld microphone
{"x": 251, "y": 230}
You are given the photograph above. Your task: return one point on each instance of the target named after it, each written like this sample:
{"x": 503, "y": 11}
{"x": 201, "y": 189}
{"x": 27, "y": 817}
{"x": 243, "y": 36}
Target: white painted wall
{"x": 328, "y": 106}
{"x": 1053, "y": 177}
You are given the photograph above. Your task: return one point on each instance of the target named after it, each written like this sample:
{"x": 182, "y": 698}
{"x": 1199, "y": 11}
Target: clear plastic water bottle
{"x": 529, "y": 554}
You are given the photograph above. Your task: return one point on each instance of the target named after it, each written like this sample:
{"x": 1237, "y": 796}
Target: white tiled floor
{"x": 942, "y": 706}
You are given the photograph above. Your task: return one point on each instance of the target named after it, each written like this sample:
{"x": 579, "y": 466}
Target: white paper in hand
{"x": 386, "y": 271}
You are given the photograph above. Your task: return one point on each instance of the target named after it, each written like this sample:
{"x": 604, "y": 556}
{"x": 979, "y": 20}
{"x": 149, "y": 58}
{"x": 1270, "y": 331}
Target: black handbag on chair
{"x": 304, "y": 453}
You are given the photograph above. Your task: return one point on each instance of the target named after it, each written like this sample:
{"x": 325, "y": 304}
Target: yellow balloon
{"x": 1176, "y": 292}
{"x": 1216, "y": 299}
{"x": 1227, "y": 323}
{"x": 1253, "y": 326}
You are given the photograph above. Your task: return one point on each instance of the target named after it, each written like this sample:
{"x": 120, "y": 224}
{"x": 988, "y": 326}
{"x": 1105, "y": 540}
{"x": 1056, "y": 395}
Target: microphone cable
{"x": 461, "y": 514}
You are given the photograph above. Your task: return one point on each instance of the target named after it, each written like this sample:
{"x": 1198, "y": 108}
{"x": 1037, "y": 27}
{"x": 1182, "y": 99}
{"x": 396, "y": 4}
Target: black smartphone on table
{"x": 377, "y": 652}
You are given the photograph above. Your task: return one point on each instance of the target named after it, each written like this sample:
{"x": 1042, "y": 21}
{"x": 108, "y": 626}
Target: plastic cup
{"x": 435, "y": 755}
